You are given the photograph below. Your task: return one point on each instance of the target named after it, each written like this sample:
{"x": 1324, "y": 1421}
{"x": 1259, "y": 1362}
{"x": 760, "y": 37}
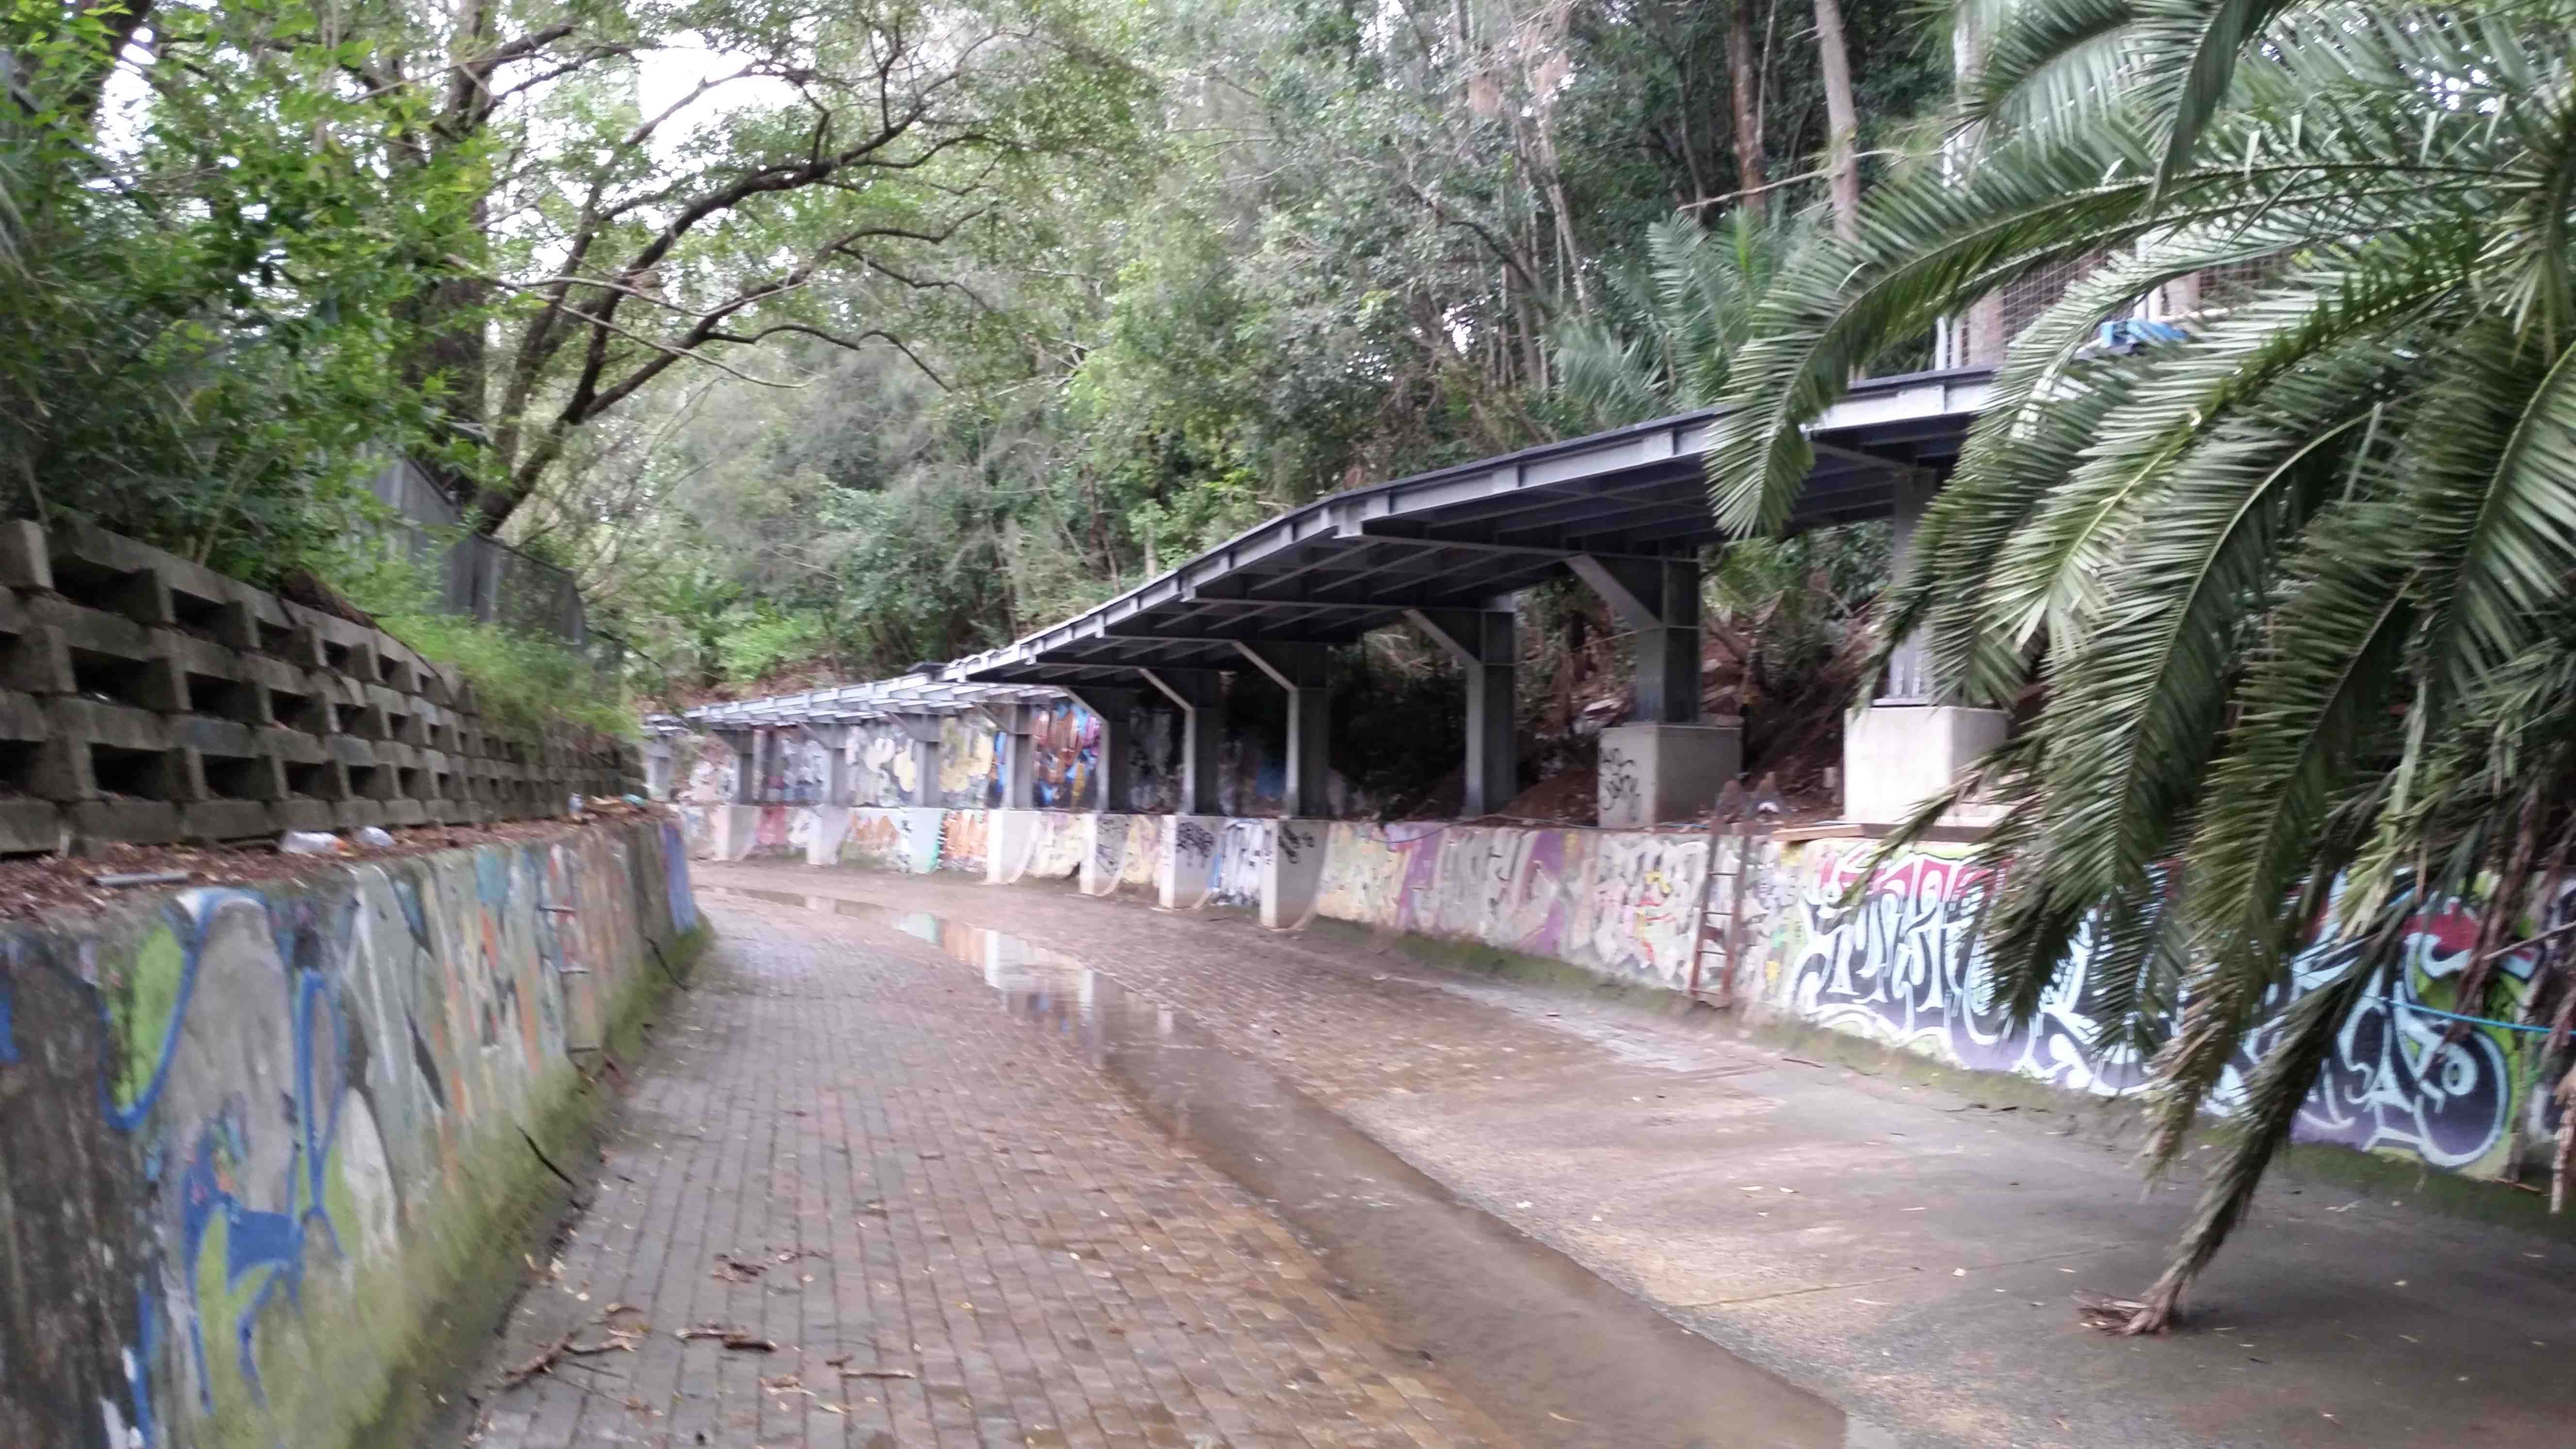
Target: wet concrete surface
{"x": 1908, "y": 1247}
{"x": 1545, "y": 1347}
{"x": 843, "y": 1202}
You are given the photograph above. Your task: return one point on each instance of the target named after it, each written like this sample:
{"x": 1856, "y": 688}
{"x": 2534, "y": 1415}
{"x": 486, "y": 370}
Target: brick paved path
{"x": 954, "y": 1230}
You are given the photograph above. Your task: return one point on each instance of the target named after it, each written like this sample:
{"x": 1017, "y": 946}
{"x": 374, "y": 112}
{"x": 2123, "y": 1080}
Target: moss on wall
{"x": 285, "y": 1169}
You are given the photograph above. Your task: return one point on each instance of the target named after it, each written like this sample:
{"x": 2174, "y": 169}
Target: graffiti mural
{"x": 1065, "y": 740}
{"x": 1141, "y": 867}
{"x": 1896, "y": 966}
{"x": 1190, "y": 843}
{"x": 970, "y": 772}
{"x": 814, "y": 833}
{"x": 904, "y": 838}
{"x": 1108, "y": 853}
{"x": 1126, "y": 853}
{"x": 1889, "y": 964}
{"x": 1617, "y": 902}
{"x": 1154, "y": 762}
{"x": 965, "y": 837}
{"x": 881, "y": 764}
{"x": 1235, "y": 866}
{"x": 1057, "y": 842}
{"x": 709, "y": 770}
{"x": 297, "y": 1094}
{"x": 800, "y": 769}
{"x": 1623, "y": 798}
{"x": 772, "y": 835}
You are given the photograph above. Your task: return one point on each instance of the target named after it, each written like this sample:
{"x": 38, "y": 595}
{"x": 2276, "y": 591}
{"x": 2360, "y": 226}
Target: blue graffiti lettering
{"x": 269, "y": 1242}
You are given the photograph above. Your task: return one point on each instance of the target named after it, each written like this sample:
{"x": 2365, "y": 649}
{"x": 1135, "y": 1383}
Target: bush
{"x": 527, "y": 677}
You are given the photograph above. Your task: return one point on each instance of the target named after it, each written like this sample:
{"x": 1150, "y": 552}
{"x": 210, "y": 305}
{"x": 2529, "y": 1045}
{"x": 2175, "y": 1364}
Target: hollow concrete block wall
{"x": 147, "y": 699}
{"x": 253, "y": 1140}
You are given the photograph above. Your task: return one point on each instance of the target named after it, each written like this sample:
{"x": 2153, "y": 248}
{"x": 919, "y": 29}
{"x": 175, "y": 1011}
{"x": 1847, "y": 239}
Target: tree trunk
{"x": 1842, "y": 119}
{"x": 1744, "y": 84}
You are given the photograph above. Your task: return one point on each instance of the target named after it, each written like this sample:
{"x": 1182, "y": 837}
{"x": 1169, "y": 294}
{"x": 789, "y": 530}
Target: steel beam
{"x": 1200, "y": 693}
{"x": 1661, "y": 605}
{"x": 1300, "y": 669}
{"x": 1484, "y": 644}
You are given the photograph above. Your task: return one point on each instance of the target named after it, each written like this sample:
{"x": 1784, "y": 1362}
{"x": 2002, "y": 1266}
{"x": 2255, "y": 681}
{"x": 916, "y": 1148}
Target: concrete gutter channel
{"x": 1865, "y": 1247}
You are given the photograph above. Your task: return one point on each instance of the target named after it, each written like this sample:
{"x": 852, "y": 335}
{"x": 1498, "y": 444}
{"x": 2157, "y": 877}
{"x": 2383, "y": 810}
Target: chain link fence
{"x": 483, "y": 578}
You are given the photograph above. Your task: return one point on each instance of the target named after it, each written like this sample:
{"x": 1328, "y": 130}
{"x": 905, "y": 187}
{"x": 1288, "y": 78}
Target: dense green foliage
{"x": 2295, "y": 586}
{"x": 199, "y": 320}
{"x": 1346, "y": 245}
{"x": 857, "y": 334}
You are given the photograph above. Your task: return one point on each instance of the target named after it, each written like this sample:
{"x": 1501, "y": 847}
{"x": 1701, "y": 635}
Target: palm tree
{"x": 1674, "y": 325}
{"x": 2296, "y": 586}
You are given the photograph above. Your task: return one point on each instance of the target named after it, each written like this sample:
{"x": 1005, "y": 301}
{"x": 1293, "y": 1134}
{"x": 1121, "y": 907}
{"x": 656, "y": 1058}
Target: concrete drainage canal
{"x": 1547, "y": 1348}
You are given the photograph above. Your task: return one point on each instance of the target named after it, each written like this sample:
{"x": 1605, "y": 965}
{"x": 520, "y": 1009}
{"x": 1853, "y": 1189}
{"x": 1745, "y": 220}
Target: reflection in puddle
{"x": 1555, "y": 1354}
{"x": 1048, "y": 987}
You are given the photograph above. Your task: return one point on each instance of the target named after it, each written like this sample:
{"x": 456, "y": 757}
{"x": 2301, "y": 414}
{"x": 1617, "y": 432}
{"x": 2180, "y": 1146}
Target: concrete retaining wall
{"x": 256, "y": 1145}
{"x": 144, "y": 698}
{"x": 1890, "y": 967}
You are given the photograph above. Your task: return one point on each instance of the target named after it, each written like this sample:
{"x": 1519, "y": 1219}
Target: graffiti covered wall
{"x": 1050, "y": 845}
{"x": 1888, "y": 965}
{"x": 903, "y": 838}
{"x": 1065, "y": 743}
{"x": 965, "y": 839}
{"x": 1617, "y": 902}
{"x": 970, "y": 762}
{"x": 283, "y": 1115}
{"x": 1126, "y": 854}
{"x": 1234, "y": 868}
{"x": 1893, "y": 966}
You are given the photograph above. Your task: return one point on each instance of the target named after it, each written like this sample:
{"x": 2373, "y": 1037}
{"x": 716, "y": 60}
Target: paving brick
{"x": 920, "y": 1184}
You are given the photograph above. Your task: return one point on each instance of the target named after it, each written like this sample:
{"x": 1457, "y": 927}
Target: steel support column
{"x": 1660, "y": 603}
{"x": 1910, "y": 675}
{"x": 1019, "y": 754}
{"x": 746, "y": 766}
{"x": 1484, "y": 643}
{"x": 1200, "y": 693}
{"x": 923, "y": 731}
{"x": 1300, "y": 670}
{"x": 835, "y": 740}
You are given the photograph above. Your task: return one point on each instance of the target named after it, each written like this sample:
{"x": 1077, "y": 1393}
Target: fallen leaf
{"x": 734, "y": 1338}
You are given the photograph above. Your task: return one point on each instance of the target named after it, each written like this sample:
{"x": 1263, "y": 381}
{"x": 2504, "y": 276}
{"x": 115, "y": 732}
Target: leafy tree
{"x": 196, "y": 320}
{"x": 1677, "y": 324}
{"x": 2296, "y": 585}
{"x": 569, "y": 200}
{"x": 1332, "y": 250}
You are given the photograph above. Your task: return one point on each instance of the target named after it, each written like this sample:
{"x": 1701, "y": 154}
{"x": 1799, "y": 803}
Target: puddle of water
{"x": 1556, "y": 1355}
